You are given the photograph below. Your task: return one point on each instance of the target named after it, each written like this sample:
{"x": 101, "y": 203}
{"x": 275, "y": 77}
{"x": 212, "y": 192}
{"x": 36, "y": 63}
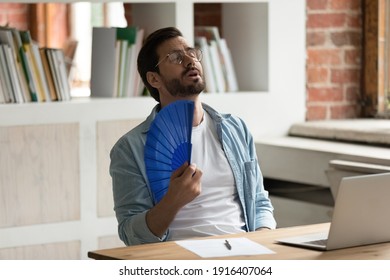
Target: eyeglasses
{"x": 177, "y": 57}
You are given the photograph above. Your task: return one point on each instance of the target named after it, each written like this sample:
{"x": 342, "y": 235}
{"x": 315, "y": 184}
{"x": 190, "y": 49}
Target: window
{"x": 387, "y": 56}
{"x": 376, "y": 58}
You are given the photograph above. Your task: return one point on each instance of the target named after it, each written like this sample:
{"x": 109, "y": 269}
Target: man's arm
{"x": 132, "y": 198}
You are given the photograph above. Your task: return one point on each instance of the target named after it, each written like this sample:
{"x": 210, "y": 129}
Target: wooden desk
{"x": 171, "y": 251}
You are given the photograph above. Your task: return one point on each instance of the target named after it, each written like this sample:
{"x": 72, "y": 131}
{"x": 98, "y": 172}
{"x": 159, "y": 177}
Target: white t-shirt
{"x": 217, "y": 209}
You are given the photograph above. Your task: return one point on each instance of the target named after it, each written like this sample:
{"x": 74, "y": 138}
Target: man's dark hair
{"x": 148, "y": 57}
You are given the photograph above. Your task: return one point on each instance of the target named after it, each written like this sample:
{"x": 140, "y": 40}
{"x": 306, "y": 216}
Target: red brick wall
{"x": 208, "y": 15}
{"x": 334, "y": 32}
{"x": 16, "y": 15}
{"x": 334, "y": 40}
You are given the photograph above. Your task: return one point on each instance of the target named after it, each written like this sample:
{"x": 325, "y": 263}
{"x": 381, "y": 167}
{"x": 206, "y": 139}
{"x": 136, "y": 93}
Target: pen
{"x": 227, "y": 244}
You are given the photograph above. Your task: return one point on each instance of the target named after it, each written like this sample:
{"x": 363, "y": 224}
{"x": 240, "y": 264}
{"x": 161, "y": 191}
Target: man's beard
{"x": 176, "y": 88}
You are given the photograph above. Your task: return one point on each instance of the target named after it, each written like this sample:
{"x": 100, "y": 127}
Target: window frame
{"x": 376, "y": 59}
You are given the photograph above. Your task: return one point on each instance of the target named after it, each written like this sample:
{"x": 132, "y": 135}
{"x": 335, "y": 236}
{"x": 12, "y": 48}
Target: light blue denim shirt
{"x": 132, "y": 196}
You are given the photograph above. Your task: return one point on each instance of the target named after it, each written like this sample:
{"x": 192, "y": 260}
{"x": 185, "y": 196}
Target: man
{"x": 221, "y": 192}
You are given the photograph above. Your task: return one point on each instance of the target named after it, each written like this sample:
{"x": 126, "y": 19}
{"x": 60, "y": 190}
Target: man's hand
{"x": 185, "y": 186}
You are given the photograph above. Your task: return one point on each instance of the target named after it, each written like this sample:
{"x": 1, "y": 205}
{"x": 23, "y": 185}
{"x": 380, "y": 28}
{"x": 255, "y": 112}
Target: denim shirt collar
{"x": 148, "y": 122}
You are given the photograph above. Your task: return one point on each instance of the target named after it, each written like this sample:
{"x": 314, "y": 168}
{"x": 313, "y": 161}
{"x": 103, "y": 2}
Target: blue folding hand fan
{"x": 168, "y": 144}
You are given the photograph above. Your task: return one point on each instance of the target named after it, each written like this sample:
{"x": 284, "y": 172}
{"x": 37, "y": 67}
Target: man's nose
{"x": 189, "y": 61}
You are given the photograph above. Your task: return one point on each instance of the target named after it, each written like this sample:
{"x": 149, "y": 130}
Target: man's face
{"x": 184, "y": 79}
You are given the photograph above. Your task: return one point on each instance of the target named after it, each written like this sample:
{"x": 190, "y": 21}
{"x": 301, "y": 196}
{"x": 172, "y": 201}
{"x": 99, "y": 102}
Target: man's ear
{"x": 153, "y": 79}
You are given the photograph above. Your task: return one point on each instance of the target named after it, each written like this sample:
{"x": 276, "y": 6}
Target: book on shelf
{"x": 5, "y": 78}
{"x": 208, "y": 71}
{"x": 126, "y": 37}
{"x": 18, "y": 93}
{"x": 48, "y": 74}
{"x": 217, "y": 67}
{"x": 103, "y": 61}
{"x": 33, "y": 62}
{"x": 220, "y": 59}
{"x": 60, "y": 66}
{"x": 230, "y": 73}
{"x": 16, "y": 87}
{"x": 134, "y": 83}
{"x": 31, "y": 95}
{"x": 2, "y": 90}
{"x": 57, "y": 65}
{"x": 122, "y": 67}
{"x": 114, "y": 61}
{"x": 54, "y": 73}
{"x": 25, "y": 71}
{"x": 38, "y": 66}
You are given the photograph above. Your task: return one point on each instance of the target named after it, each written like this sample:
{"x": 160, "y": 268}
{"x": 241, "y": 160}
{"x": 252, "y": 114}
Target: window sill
{"x": 309, "y": 151}
{"x": 365, "y": 131}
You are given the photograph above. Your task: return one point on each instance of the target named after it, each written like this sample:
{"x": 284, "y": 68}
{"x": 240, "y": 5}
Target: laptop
{"x": 360, "y": 215}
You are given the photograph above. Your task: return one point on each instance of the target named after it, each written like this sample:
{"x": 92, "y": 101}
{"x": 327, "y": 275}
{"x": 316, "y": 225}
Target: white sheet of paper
{"x": 216, "y": 247}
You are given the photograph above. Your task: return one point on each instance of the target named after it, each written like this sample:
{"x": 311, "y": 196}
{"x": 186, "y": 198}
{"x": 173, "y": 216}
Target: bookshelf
{"x": 267, "y": 41}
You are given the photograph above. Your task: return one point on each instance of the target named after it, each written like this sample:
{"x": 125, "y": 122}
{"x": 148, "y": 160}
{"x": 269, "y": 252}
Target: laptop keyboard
{"x": 321, "y": 242}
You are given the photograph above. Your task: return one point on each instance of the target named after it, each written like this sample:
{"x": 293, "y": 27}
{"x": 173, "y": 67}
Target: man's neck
{"x": 198, "y": 108}
{"x": 198, "y": 113}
